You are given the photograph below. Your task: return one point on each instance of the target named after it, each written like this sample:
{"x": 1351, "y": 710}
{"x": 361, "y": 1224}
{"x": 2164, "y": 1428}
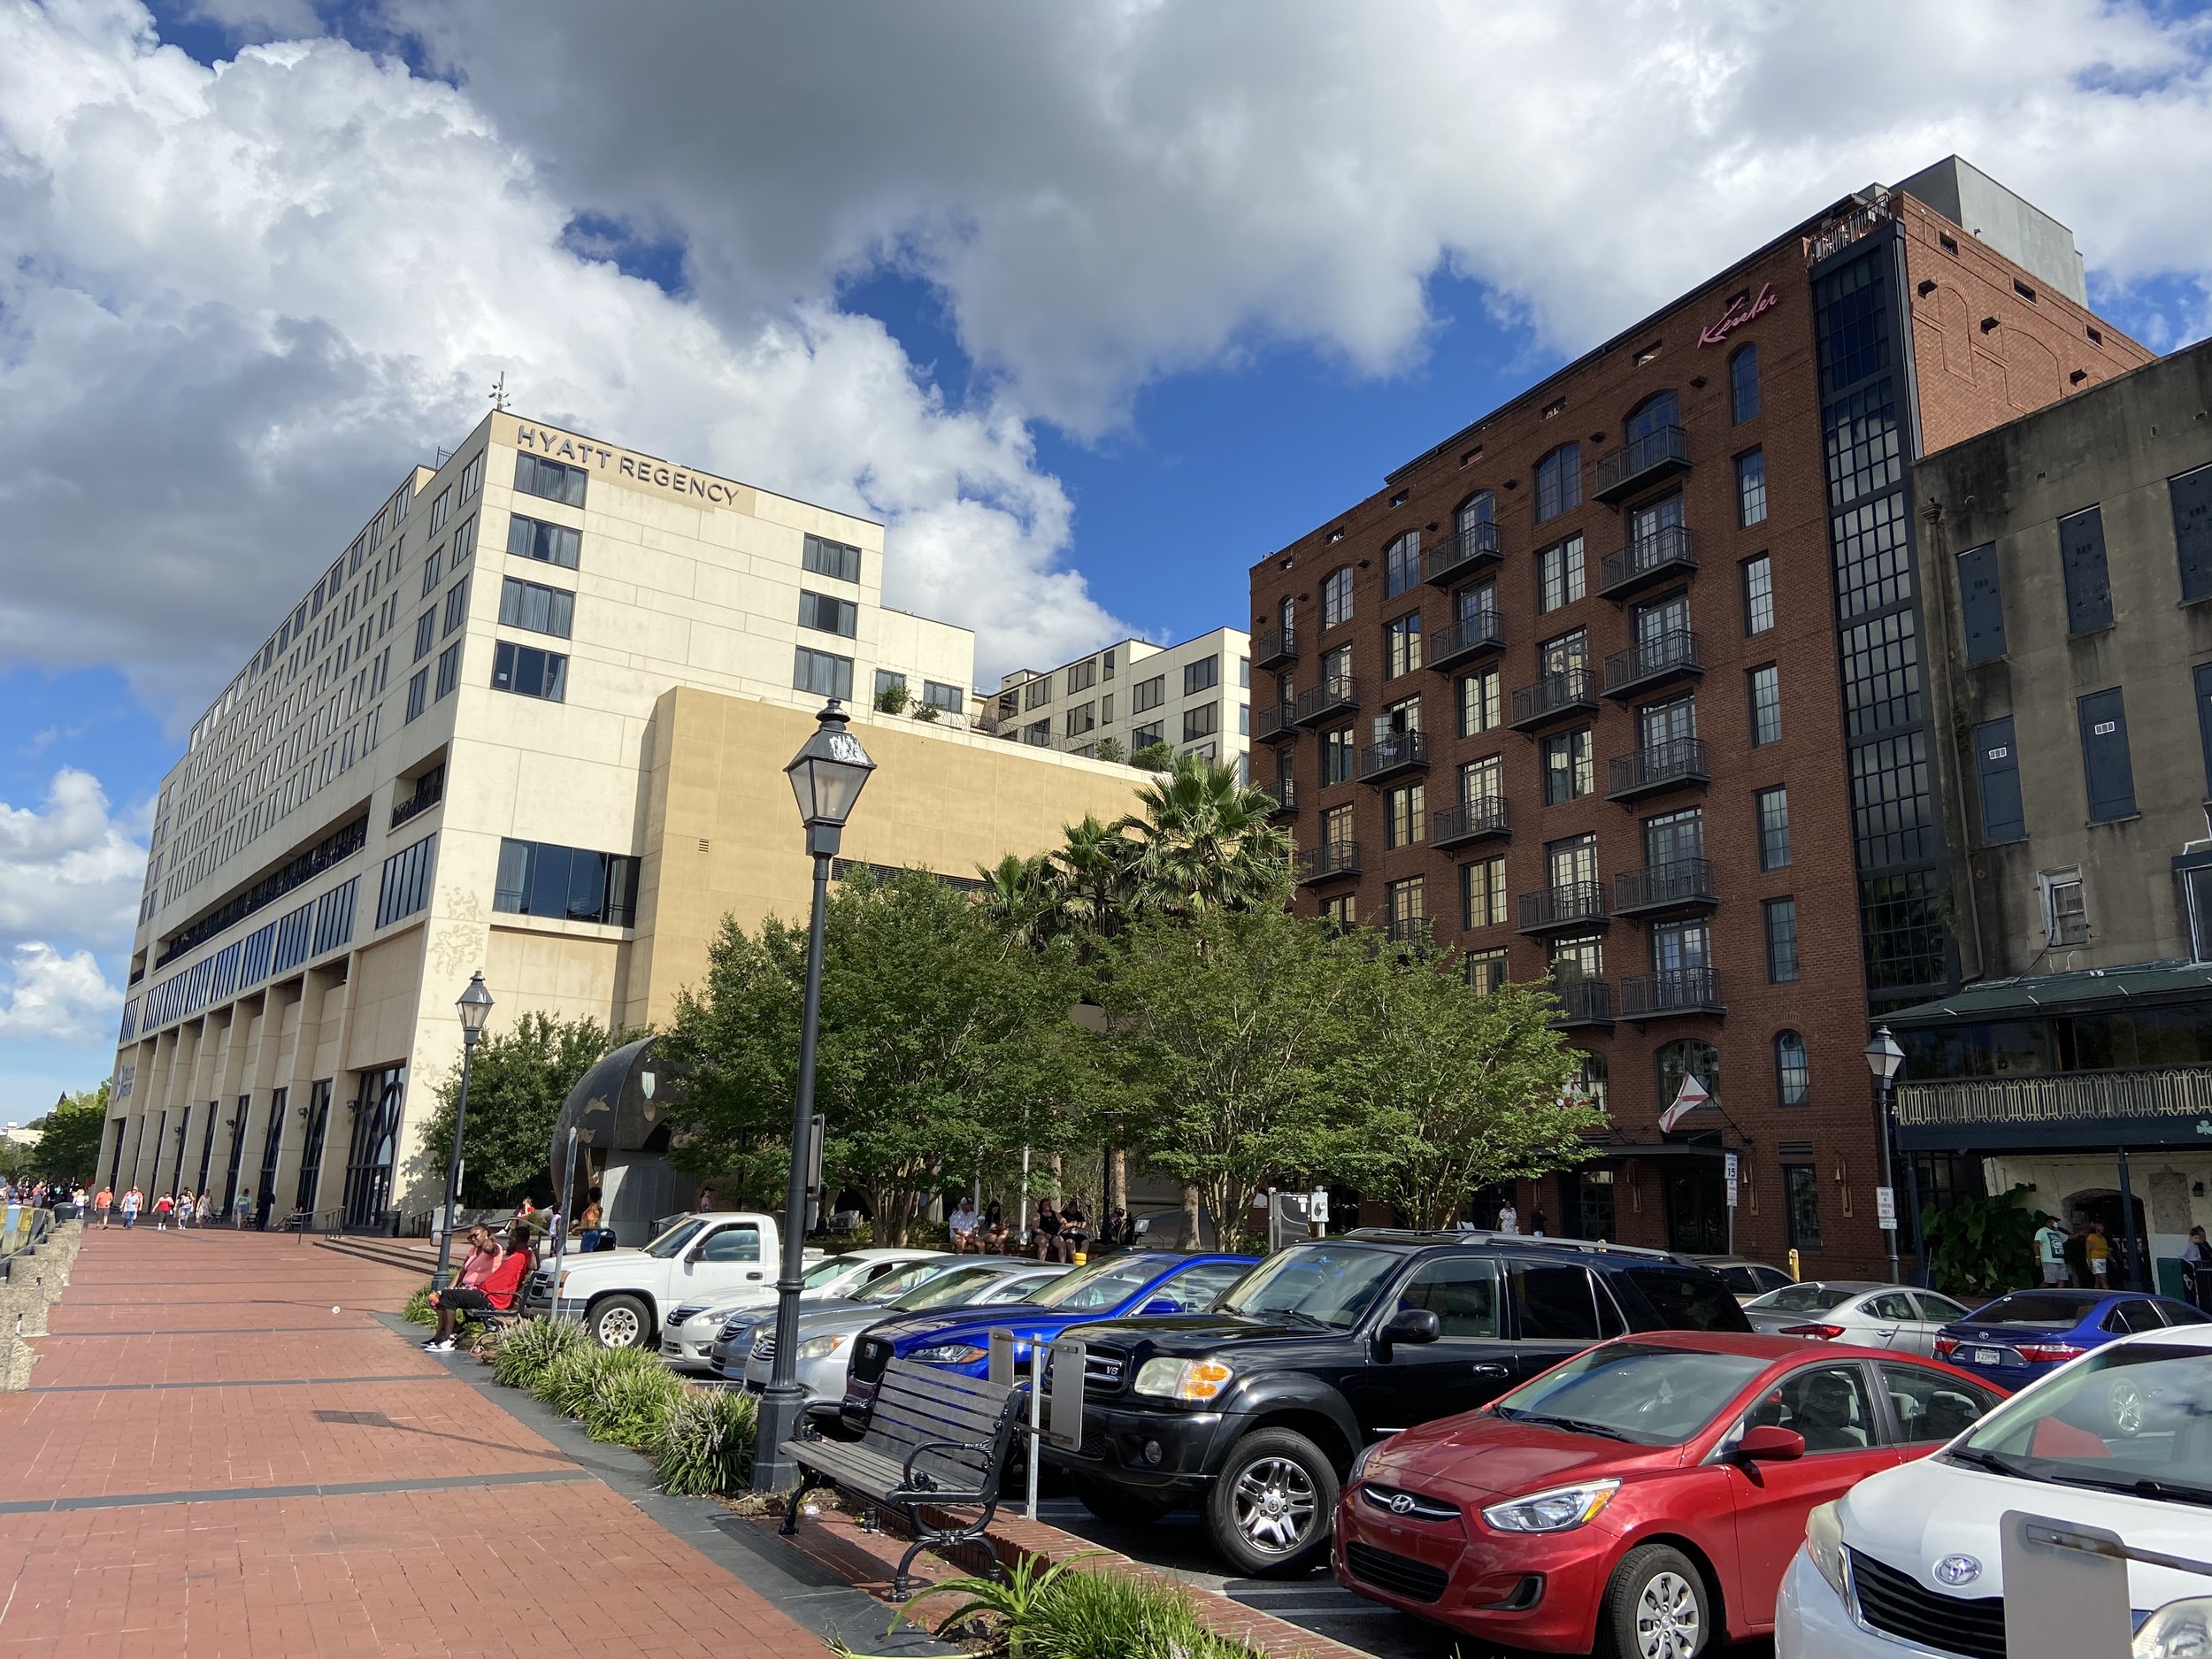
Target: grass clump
{"x": 419, "y": 1310}
{"x": 530, "y": 1345}
{"x": 1054, "y": 1612}
{"x": 631, "y": 1395}
{"x": 706, "y": 1444}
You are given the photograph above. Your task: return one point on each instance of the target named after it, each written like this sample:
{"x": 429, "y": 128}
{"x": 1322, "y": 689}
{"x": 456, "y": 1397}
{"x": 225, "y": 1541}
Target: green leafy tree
{"x": 1978, "y": 1247}
{"x": 68, "y": 1147}
{"x": 1153, "y": 757}
{"x": 1233, "y": 1032}
{"x": 893, "y": 698}
{"x": 518, "y": 1080}
{"x": 1462, "y": 1088}
{"x": 734, "y": 1040}
{"x": 1110, "y": 748}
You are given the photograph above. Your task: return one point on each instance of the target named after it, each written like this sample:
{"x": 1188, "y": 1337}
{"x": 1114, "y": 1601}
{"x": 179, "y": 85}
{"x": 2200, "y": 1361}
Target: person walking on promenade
{"x": 133, "y": 1200}
{"x": 163, "y": 1208}
{"x": 183, "y": 1211}
{"x": 206, "y": 1211}
{"x": 103, "y": 1203}
{"x": 2050, "y": 1253}
{"x": 2099, "y": 1251}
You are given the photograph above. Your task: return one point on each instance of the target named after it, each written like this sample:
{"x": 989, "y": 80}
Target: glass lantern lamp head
{"x": 1884, "y": 1057}
{"x": 827, "y": 775}
{"x": 475, "y": 1007}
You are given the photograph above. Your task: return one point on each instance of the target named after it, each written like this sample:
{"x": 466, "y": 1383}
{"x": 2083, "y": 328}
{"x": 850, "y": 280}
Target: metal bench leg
{"x": 903, "y": 1584}
{"x": 790, "y": 1528}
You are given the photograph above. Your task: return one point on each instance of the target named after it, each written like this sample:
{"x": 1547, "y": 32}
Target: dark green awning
{"x": 2084, "y": 990}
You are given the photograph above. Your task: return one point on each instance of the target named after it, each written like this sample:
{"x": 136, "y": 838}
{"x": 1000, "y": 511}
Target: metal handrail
{"x": 2180, "y": 1092}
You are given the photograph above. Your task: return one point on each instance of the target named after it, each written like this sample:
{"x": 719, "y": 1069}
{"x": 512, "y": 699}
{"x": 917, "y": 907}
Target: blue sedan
{"x": 2029, "y": 1334}
{"x": 1142, "y": 1282}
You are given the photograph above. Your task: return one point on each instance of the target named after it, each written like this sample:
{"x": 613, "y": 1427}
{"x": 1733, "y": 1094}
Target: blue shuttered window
{"x": 1997, "y": 767}
{"x": 2088, "y": 587}
{"x": 1981, "y": 598}
{"x": 2104, "y": 757}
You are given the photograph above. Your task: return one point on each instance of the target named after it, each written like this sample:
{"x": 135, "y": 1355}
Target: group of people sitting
{"x": 491, "y": 1279}
{"x": 1055, "y": 1234}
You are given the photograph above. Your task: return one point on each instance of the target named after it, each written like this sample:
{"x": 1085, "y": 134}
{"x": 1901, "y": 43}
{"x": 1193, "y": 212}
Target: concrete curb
{"x": 35, "y": 1281}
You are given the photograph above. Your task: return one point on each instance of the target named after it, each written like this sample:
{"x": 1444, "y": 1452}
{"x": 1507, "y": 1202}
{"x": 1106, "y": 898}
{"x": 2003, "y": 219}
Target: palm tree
{"x": 1204, "y": 843}
{"x": 1019, "y": 898}
{"x": 1092, "y": 877}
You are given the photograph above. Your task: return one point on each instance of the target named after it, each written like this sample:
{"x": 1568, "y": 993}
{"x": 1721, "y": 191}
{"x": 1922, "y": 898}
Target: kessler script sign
{"x": 639, "y": 472}
{"x": 1741, "y": 312}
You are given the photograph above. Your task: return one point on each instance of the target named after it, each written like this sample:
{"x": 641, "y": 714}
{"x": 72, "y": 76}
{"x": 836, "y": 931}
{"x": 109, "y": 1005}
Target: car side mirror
{"x": 1161, "y": 1305}
{"x": 1771, "y": 1443}
{"x": 1410, "y": 1325}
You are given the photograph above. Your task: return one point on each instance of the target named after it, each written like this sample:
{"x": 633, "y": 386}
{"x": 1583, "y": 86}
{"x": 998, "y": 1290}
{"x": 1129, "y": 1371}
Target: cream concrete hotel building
{"x": 1195, "y": 697}
{"x": 532, "y": 720}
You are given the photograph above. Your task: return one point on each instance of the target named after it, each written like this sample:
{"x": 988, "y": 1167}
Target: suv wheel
{"x": 1656, "y": 1607}
{"x": 1118, "y": 1505}
{"x": 619, "y": 1321}
{"x": 1269, "y": 1512}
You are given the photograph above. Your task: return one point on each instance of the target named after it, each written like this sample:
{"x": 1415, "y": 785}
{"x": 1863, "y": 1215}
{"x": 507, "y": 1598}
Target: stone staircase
{"x": 416, "y": 1254}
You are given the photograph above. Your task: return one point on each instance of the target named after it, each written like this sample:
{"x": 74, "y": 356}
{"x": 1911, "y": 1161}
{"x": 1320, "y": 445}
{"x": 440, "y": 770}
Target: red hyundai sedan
{"x": 1643, "y": 1499}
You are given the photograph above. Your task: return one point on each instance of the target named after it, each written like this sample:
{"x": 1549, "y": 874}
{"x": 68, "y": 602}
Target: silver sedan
{"x": 1857, "y": 1310}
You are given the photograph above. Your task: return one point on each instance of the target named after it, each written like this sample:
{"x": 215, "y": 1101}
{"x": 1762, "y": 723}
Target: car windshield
{"x": 1800, "y": 1299}
{"x": 2133, "y": 1418}
{"x": 896, "y": 1283}
{"x": 2053, "y": 1313}
{"x": 1105, "y": 1284}
{"x": 672, "y": 1241}
{"x": 1333, "y": 1284}
{"x": 941, "y": 1289}
{"x": 828, "y": 1268}
{"x": 1688, "y": 1301}
{"x": 1635, "y": 1392}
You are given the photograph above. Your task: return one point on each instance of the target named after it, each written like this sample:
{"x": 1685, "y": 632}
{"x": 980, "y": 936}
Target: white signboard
{"x": 1885, "y": 1207}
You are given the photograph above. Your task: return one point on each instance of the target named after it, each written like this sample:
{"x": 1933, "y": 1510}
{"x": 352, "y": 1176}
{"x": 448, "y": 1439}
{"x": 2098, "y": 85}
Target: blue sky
{"x": 1121, "y": 301}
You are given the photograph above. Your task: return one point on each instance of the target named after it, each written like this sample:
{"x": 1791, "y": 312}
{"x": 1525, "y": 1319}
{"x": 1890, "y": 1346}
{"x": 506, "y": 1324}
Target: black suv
{"x": 1255, "y": 1410}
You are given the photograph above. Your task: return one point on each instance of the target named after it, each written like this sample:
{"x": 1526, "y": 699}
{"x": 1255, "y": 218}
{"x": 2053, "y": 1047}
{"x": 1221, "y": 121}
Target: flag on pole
{"x": 1692, "y": 1095}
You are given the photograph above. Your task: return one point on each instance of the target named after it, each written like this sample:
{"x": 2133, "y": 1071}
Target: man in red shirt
{"x": 497, "y": 1289}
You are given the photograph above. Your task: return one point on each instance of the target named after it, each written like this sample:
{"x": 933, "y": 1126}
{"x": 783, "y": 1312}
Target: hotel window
{"x": 1336, "y": 826}
{"x": 1082, "y": 676}
{"x": 1144, "y": 737}
{"x": 1569, "y": 771}
{"x": 1485, "y": 971}
{"x": 431, "y": 567}
{"x": 1781, "y": 936}
{"x": 1036, "y": 693}
{"x": 1403, "y": 715}
{"x": 1558, "y": 481}
{"x": 1801, "y": 1192}
{"x": 1401, "y": 565}
{"x": 567, "y": 883}
{"x": 1478, "y": 708}
{"x": 821, "y": 673}
{"x": 1408, "y": 903}
{"x": 441, "y": 509}
{"x": 406, "y": 882}
{"x": 1482, "y": 893}
{"x": 1403, "y": 642}
{"x": 528, "y": 671}
{"x": 1336, "y": 597}
{"x": 540, "y": 610}
{"x": 1580, "y": 957}
{"x": 1758, "y": 594}
{"x": 457, "y": 606}
{"x": 1340, "y": 912}
{"x": 1751, "y": 488}
{"x": 1405, "y": 816}
{"x": 1337, "y": 753}
{"x": 450, "y": 669}
{"x": 1203, "y": 721}
{"x": 1038, "y": 733}
{"x": 828, "y": 614}
{"x": 1107, "y": 659}
{"x": 953, "y": 699}
{"x": 890, "y": 680}
{"x": 1105, "y": 709}
{"x": 472, "y": 476}
{"x": 1476, "y": 511}
{"x": 464, "y": 541}
{"x": 1081, "y": 718}
{"x": 1743, "y": 385}
{"x": 1244, "y": 718}
{"x": 548, "y": 543}
{"x": 417, "y": 694}
{"x": 1766, "y": 705}
{"x": 1565, "y": 654}
{"x": 1150, "y": 695}
{"x": 426, "y": 633}
{"x": 1201, "y": 675}
{"x": 1244, "y": 673}
{"x": 1792, "y": 1073}
{"x": 833, "y": 559}
{"x": 550, "y": 480}
{"x": 1559, "y": 575}
{"x": 1482, "y": 779}
{"x": 1774, "y": 827}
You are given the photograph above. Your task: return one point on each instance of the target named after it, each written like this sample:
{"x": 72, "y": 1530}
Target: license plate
{"x": 1988, "y": 1356}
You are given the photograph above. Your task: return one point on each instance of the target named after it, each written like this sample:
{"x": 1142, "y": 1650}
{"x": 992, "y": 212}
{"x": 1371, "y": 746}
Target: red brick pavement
{"x": 550, "y": 1562}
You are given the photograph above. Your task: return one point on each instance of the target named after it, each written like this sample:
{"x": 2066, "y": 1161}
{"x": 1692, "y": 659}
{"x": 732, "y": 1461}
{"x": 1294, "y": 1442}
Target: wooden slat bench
{"x": 935, "y": 1440}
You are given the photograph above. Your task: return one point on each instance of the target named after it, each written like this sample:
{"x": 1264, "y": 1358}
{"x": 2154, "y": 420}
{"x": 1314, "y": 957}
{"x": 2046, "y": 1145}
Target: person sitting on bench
{"x": 496, "y": 1292}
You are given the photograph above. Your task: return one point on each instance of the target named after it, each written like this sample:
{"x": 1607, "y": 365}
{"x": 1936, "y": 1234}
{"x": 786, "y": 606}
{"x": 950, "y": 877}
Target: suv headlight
{"x": 949, "y": 1354}
{"x": 1194, "y": 1381}
{"x": 1824, "y": 1543}
{"x": 2180, "y": 1630}
{"x": 1561, "y": 1509}
{"x": 821, "y": 1347}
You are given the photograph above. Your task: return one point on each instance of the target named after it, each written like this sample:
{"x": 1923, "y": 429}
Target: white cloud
{"x": 46, "y": 996}
{"x": 70, "y": 869}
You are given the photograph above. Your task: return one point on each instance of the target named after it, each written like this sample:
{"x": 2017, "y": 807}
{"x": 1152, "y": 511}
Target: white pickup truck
{"x": 726, "y": 1257}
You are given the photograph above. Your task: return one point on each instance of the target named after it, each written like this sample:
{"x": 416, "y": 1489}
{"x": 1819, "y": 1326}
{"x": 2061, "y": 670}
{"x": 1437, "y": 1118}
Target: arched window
{"x": 1401, "y": 565}
{"x": 1476, "y": 523}
{"x": 1336, "y": 597}
{"x": 1559, "y": 482}
{"x": 1655, "y": 414}
{"x": 1743, "y": 384}
{"x": 1792, "y": 1073}
{"x": 1588, "y": 1082}
{"x": 1688, "y": 1057}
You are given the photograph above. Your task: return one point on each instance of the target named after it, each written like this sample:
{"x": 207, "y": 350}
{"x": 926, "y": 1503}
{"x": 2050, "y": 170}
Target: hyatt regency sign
{"x": 639, "y": 470}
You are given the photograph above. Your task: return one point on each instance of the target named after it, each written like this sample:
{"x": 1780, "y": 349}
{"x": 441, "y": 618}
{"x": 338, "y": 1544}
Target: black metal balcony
{"x": 1582, "y": 1003}
{"x": 1407, "y": 930}
{"x": 1399, "y": 752}
{"x": 1676, "y": 763}
{"x": 1676, "y": 991}
{"x": 1461, "y": 554}
{"x": 1482, "y": 818}
{"x": 1273, "y": 725}
{"x": 1642, "y": 462}
{"x": 1463, "y": 641}
{"x": 1337, "y": 695}
{"x": 1275, "y": 648}
{"x": 1558, "y": 696}
{"x": 1647, "y": 559}
{"x": 1285, "y": 792}
{"x": 1555, "y": 909}
{"x": 1682, "y": 888}
{"x": 1328, "y": 861}
{"x": 1652, "y": 663}
{"x": 429, "y": 790}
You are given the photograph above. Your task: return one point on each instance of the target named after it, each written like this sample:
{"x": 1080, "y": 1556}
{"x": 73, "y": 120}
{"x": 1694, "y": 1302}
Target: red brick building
{"x": 1622, "y": 684}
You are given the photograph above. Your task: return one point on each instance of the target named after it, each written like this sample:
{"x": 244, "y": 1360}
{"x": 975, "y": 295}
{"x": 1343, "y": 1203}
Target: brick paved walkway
{"x": 212, "y": 1464}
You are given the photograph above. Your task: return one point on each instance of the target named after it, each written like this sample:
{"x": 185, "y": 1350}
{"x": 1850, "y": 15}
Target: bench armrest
{"x": 907, "y": 1474}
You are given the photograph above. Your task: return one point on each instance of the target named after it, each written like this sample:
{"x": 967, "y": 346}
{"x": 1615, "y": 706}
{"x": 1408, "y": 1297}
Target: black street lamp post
{"x": 1884, "y": 1057}
{"x": 475, "y": 1007}
{"x": 826, "y": 776}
